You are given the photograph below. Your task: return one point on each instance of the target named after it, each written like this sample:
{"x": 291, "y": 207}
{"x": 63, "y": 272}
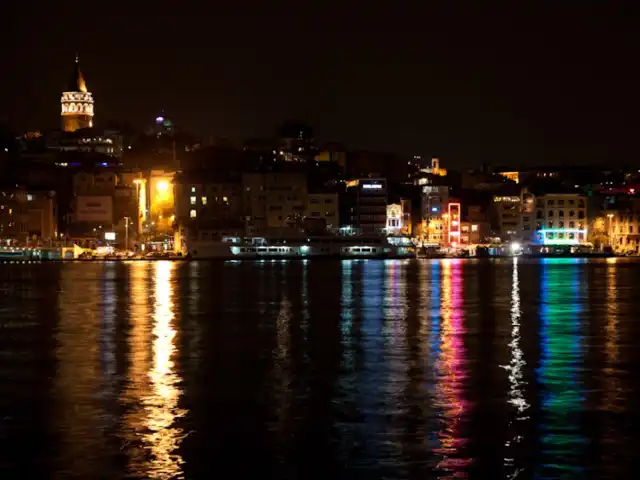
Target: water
{"x": 319, "y": 369}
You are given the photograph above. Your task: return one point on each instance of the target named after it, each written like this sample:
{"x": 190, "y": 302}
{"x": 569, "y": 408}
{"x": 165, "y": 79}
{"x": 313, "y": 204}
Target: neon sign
{"x": 547, "y": 236}
{"x": 454, "y": 223}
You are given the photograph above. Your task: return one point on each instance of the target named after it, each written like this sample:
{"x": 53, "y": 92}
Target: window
{"x": 561, "y": 213}
{"x": 192, "y": 200}
{"x": 630, "y": 228}
{"x": 193, "y": 214}
{"x": 550, "y": 202}
{"x": 540, "y": 214}
{"x": 193, "y": 189}
{"x": 560, "y": 202}
{"x": 550, "y": 213}
{"x": 561, "y": 224}
{"x": 204, "y": 200}
{"x": 550, "y": 224}
{"x": 580, "y": 213}
{"x": 29, "y": 197}
{"x": 225, "y": 199}
{"x": 474, "y": 228}
{"x": 572, "y": 224}
{"x": 572, "y": 213}
{"x": 572, "y": 202}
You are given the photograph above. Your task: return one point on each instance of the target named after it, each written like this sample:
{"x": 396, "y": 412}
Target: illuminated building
{"x": 505, "y": 215}
{"x": 561, "y": 219}
{"x": 454, "y": 217}
{"x": 365, "y": 205}
{"x": 434, "y": 200}
{"x": 623, "y": 231}
{"x": 77, "y": 103}
{"x": 473, "y": 233}
{"x": 435, "y": 168}
{"x": 514, "y": 176}
{"x": 162, "y": 201}
{"x": 208, "y": 206}
{"x": 399, "y": 217}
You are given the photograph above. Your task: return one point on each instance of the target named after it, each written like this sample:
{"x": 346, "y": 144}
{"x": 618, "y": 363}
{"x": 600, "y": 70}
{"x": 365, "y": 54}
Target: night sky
{"x": 469, "y": 83}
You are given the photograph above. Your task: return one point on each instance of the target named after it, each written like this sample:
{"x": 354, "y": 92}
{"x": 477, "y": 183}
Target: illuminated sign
{"x": 548, "y": 236}
{"x": 110, "y": 236}
{"x": 372, "y": 186}
{"x": 454, "y": 223}
{"x": 435, "y": 209}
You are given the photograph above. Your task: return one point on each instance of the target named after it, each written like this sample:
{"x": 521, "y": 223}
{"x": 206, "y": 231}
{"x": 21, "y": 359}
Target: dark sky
{"x": 555, "y": 82}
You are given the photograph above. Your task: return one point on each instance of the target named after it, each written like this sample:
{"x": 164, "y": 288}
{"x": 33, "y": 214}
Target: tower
{"x": 77, "y": 103}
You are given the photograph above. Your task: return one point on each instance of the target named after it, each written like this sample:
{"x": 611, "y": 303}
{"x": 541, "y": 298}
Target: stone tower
{"x": 77, "y": 103}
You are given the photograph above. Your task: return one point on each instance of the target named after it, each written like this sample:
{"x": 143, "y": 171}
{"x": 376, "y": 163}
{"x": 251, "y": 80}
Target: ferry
{"x": 238, "y": 248}
{"x": 19, "y": 253}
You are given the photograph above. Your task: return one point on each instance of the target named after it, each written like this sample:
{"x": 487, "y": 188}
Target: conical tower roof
{"x": 76, "y": 82}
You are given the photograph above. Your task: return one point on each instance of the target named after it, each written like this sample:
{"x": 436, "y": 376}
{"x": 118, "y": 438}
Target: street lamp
{"x": 610, "y": 216}
{"x": 126, "y": 234}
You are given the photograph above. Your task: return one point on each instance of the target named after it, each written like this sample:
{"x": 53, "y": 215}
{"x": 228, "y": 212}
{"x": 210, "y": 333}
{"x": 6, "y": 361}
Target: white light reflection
{"x": 515, "y": 369}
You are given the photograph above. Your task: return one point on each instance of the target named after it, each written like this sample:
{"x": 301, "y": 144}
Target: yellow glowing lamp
{"x": 162, "y": 186}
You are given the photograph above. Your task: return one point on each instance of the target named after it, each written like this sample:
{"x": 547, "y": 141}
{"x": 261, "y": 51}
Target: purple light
{"x": 159, "y": 120}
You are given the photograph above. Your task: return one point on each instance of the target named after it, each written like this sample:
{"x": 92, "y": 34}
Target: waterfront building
{"x": 323, "y": 211}
{"x": 27, "y": 216}
{"x": 561, "y": 219}
{"x": 365, "y": 205}
{"x": 274, "y": 201}
{"x": 434, "y": 202}
{"x": 505, "y": 216}
{"x": 399, "y": 220}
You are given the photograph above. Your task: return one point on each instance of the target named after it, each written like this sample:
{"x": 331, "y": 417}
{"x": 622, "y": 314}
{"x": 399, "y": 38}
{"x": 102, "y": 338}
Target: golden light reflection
{"x": 163, "y": 437}
{"x": 137, "y": 386}
{"x": 452, "y": 373}
{"x": 611, "y": 349}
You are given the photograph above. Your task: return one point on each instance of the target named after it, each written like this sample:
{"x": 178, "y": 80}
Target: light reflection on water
{"x": 517, "y": 400}
{"x": 451, "y": 375}
{"x": 560, "y": 370}
{"x": 370, "y": 369}
{"x": 163, "y": 435}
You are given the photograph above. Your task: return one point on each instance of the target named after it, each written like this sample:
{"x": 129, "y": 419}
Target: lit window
{"x": 192, "y": 214}
{"x": 29, "y": 197}
{"x": 193, "y": 200}
{"x": 225, "y": 199}
{"x": 193, "y": 189}
{"x": 204, "y": 200}
{"x": 11, "y": 211}
{"x": 474, "y": 228}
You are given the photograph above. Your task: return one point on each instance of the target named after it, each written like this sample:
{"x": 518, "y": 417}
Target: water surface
{"x": 319, "y": 369}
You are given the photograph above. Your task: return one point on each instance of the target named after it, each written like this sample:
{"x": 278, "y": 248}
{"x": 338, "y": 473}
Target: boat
{"x": 354, "y": 247}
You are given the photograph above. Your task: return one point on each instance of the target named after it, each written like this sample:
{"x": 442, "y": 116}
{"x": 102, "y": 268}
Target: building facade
{"x": 323, "y": 209}
{"x": 274, "y": 201}
{"x": 28, "y": 216}
{"x": 434, "y": 202}
{"x": 366, "y": 205}
{"x": 561, "y": 218}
